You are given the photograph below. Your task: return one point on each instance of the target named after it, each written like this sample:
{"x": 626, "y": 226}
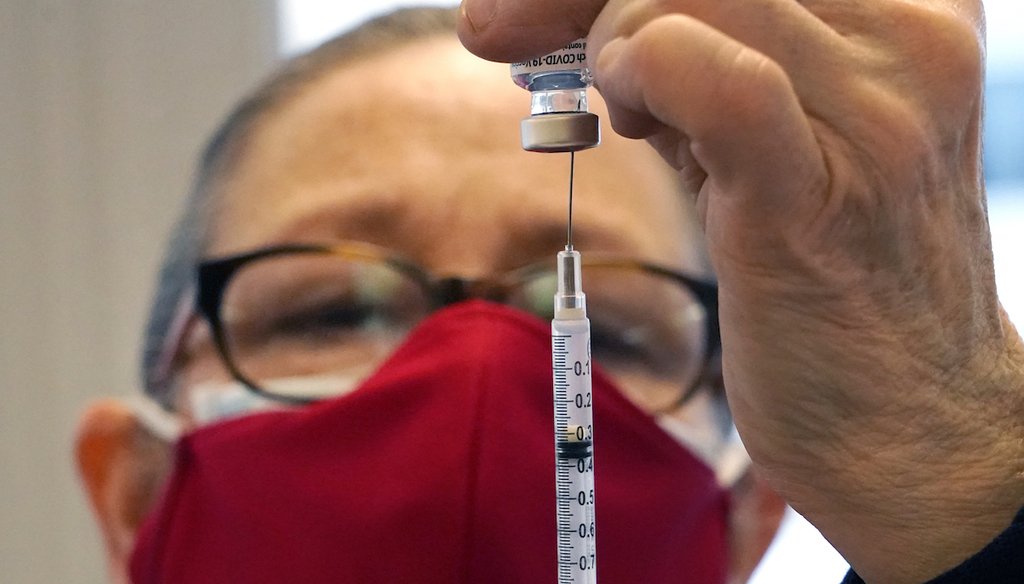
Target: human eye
{"x": 326, "y": 303}
{"x": 618, "y": 340}
{"x": 286, "y": 319}
{"x": 328, "y": 318}
{"x": 641, "y": 321}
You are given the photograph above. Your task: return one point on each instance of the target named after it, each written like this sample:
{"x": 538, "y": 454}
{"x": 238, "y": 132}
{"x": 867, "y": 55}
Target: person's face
{"x": 417, "y": 150}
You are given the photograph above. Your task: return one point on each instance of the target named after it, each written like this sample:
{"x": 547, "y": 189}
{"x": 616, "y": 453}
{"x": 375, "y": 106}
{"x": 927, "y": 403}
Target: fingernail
{"x": 479, "y": 13}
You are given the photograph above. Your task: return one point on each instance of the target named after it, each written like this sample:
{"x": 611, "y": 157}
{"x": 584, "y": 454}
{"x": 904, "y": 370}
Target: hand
{"x": 834, "y": 151}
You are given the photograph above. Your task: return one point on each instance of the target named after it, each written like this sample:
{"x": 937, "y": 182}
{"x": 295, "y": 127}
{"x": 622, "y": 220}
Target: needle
{"x": 572, "y": 169}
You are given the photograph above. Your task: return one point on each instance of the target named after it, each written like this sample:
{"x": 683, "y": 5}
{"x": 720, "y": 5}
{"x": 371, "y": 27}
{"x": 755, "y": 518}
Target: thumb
{"x": 513, "y": 30}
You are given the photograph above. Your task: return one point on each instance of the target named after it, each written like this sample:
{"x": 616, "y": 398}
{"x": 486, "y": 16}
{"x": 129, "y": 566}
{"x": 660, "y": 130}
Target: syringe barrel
{"x": 574, "y": 450}
{"x": 570, "y": 301}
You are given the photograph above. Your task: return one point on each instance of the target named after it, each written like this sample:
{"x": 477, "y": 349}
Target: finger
{"x": 513, "y": 30}
{"x": 783, "y": 30}
{"x": 675, "y": 149}
{"x": 736, "y": 106}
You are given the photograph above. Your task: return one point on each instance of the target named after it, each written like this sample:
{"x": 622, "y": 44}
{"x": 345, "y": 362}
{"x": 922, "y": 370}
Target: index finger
{"x": 513, "y": 30}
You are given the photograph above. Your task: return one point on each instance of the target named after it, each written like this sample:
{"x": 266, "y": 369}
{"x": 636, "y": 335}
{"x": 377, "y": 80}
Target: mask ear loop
{"x": 733, "y": 462}
{"x": 724, "y": 454}
{"x": 213, "y": 402}
{"x": 729, "y": 460}
{"x": 209, "y": 404}
{"x": 162, "y": 424}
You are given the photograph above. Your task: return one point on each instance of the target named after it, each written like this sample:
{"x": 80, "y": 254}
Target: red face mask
{"x": 439, "y": 469}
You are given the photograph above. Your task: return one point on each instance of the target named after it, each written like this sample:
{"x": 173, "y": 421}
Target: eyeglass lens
{"x": 314, "y": 315}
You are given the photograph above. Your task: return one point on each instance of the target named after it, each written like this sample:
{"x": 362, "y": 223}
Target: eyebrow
{"x": 380, "y": 217}
{"x": 370, "y": 216}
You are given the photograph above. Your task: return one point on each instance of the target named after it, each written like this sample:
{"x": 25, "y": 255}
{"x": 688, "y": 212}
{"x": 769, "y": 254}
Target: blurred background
{"x": 103, "y": 106}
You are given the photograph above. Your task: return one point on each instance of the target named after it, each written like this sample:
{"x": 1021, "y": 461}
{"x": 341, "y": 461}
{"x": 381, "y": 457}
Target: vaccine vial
{"x": 559, "y": 120}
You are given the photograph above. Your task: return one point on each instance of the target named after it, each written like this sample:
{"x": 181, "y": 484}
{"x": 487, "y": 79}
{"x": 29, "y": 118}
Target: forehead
{"x": 418, "y": 149}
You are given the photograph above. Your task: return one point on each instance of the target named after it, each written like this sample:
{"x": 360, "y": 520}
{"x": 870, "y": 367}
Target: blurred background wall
{"x": 103, "y": 106}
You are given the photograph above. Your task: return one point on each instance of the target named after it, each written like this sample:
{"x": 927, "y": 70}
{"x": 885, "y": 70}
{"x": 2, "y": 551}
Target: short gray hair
{"x": 190, "y": 235}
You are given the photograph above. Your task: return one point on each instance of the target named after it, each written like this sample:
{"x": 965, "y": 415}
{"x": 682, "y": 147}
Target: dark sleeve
{"x": 1000, "y": 562}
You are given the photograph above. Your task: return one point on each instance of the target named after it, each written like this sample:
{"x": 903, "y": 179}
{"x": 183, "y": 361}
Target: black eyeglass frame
{"x": 213, "y": 276}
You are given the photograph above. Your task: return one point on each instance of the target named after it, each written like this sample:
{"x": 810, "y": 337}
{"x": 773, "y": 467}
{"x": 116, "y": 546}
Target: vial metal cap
{"x": 560, "y": 132}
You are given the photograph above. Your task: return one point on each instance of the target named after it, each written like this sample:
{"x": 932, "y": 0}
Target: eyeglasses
{"x": 293, "y": 312}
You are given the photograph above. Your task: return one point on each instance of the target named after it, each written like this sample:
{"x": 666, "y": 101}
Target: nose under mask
{"x": 438, "y": 469}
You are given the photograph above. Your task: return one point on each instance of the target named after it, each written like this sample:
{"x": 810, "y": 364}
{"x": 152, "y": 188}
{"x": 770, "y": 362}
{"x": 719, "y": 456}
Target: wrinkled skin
{"x": 833, "y": 148}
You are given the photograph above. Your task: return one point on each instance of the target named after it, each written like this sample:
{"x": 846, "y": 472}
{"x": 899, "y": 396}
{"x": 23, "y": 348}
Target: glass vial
{"x": 559, "y": 120}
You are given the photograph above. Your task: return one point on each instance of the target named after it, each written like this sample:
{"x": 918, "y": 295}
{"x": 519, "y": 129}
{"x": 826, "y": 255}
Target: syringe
{"x": 560, "y": 122}
{"x": 574, "y": 426}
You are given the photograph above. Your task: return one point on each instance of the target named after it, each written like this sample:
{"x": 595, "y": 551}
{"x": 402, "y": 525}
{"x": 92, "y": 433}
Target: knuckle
{"x": 964, "y": 48}
{"x": 636, "y": 15}
{"x": 658, "y": 38}
{"x": 751, "y": 83}
{"x": 945, "y": 56}
{"x": 942, "y": 39}
{"x": 745, "y": 83}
